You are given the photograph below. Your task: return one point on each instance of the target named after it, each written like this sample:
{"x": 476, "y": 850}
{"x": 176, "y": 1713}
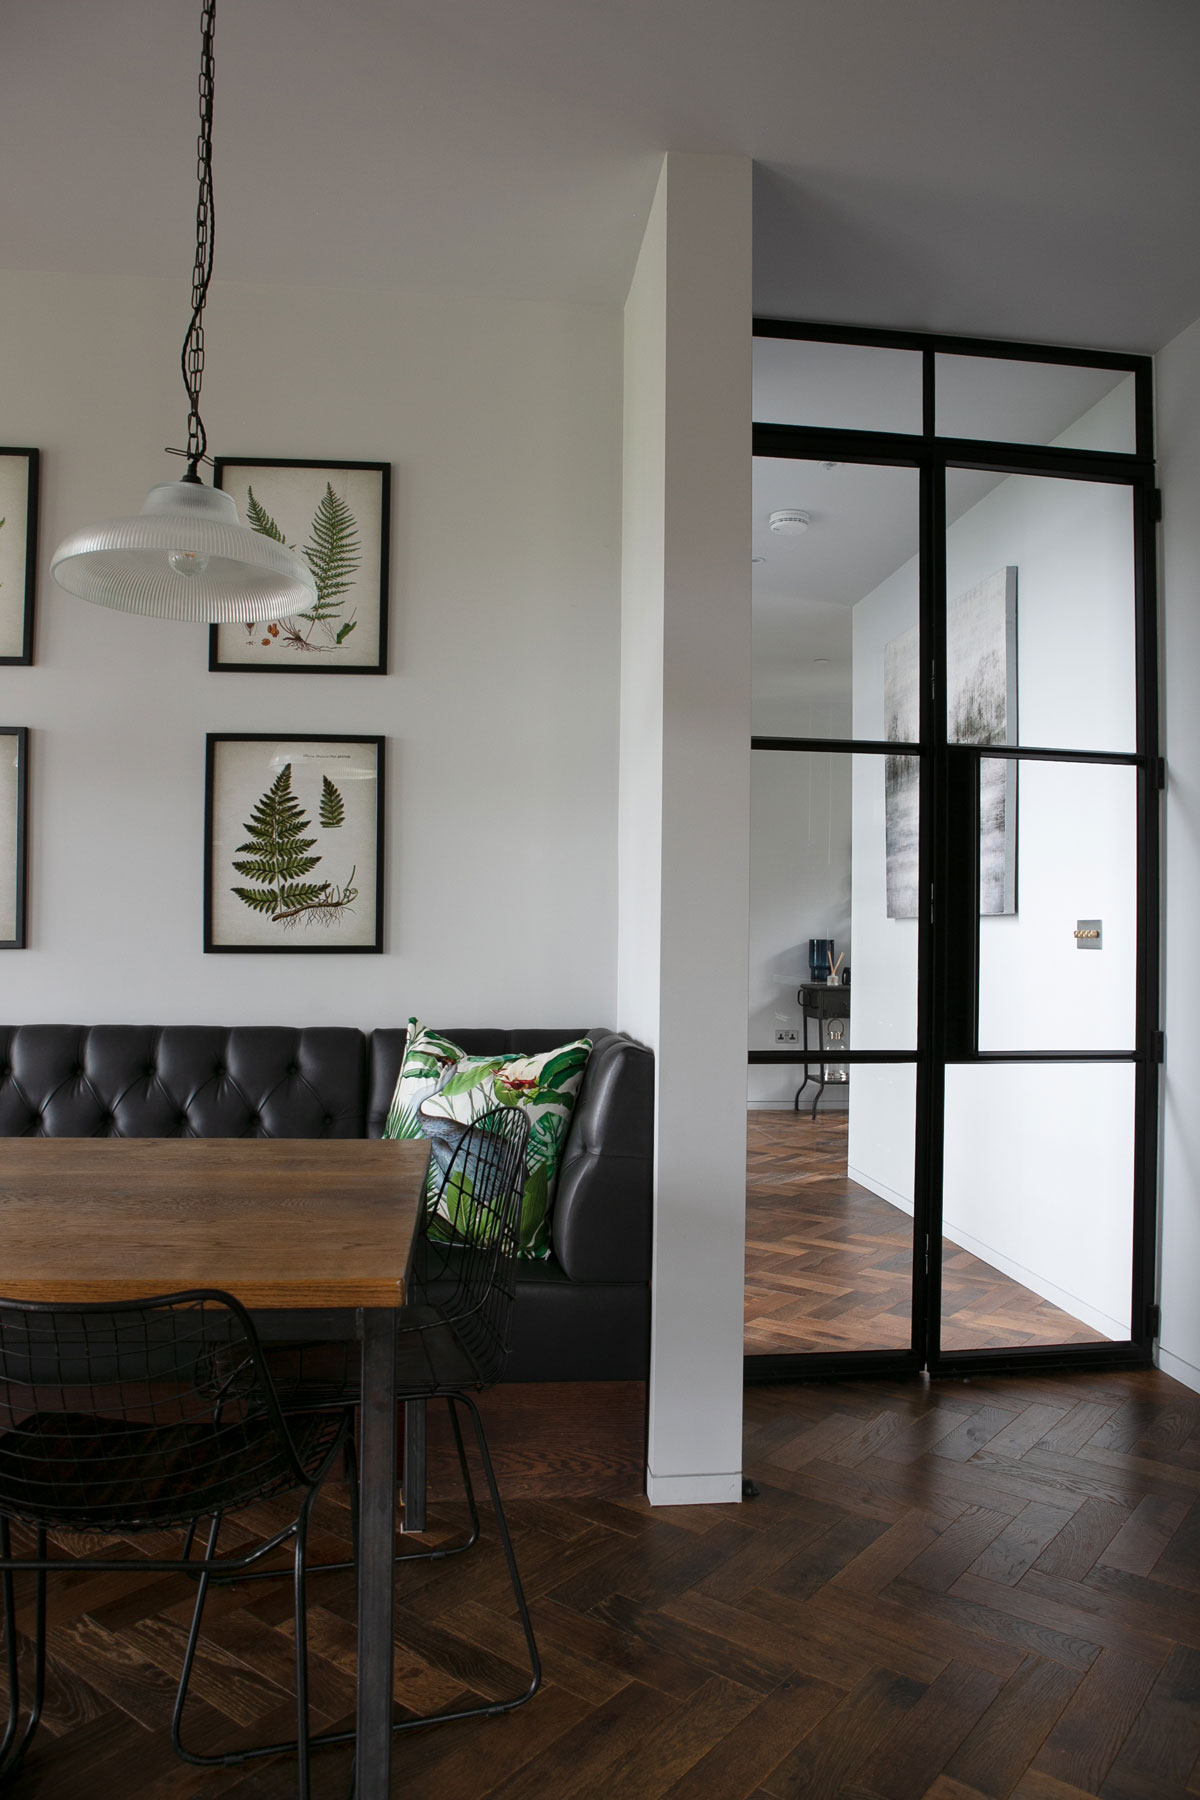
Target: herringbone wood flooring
{"x": 958, "y": 1591}
{"x": 829, "y": 1264}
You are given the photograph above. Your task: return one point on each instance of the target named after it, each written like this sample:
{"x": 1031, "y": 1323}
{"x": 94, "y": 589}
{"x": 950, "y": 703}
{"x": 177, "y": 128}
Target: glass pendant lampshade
{"x": 185, "y": 557}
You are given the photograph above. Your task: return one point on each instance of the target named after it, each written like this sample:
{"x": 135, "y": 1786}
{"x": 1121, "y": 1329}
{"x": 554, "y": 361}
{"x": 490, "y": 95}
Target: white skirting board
{"x": 693, "y": 1490}
{"x": 1026, "y": 1278}
{"x": 1176, "y": 1367}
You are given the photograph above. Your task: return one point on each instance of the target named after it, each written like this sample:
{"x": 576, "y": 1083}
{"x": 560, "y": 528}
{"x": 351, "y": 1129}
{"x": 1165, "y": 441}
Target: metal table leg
{"x": 414, "y": 1466}
{"x": 376, "y": 1548}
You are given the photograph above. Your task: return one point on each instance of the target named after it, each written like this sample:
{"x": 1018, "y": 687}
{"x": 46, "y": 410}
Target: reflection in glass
{"x": 1038, "y": 1225}
{"x": 1035, "y": 403}
{"x": 1040, "y": 612}
{"x": 828, "y": 594}
{"x": 1072, "y": 835}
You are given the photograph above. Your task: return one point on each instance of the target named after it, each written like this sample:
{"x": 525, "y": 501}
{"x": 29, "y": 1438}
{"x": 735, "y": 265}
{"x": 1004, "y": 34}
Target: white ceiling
{"x": 1013, "y": 168}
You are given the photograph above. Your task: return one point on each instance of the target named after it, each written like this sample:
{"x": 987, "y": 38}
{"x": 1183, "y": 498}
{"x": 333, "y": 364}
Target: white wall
{"x": 1038, "y": 1160}
{"x": 1179, "y": 462}
{"x": 502, "y": 422}
{"x": 684, "y": 789}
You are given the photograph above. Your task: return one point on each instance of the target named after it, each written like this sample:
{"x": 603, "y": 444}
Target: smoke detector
{"x": 789, "y": 523}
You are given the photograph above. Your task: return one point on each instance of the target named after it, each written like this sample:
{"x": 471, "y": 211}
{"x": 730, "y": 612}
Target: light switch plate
{"x": 1089, "y": 934}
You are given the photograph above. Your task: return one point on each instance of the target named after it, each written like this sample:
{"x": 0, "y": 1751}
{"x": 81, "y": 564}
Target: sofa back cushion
{"x": 601, "y": 1224}
{"x": 181, "y": 1081}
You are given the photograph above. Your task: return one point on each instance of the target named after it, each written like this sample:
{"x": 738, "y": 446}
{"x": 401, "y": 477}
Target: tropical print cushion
{"x": 439, "y": 1085}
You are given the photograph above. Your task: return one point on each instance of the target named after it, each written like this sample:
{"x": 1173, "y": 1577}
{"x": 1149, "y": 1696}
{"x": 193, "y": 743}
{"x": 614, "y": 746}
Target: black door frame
{"x": 948, "y": 776}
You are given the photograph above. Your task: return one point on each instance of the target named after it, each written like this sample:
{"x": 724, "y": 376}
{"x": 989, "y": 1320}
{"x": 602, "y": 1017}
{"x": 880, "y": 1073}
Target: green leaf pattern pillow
{"x": 444, "y": 1083}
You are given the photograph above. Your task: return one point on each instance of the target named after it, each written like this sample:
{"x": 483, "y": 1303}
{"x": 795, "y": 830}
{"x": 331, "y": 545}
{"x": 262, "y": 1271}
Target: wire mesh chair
{"x": 453, "y": 1337}
{"x": 141, "y": 1416}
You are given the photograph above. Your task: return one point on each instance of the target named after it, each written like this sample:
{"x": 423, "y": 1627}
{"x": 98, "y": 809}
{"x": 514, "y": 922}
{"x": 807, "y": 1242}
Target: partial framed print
{"x": 14, "y": 794}
{"x": 336, "y": 516}
{"x": 293, "y": 843}
{"x": 18, "y": 553}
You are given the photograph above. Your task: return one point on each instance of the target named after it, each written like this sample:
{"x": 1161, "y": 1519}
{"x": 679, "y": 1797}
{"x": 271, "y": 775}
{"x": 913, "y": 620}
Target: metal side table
{"x": 820, "y": 1002}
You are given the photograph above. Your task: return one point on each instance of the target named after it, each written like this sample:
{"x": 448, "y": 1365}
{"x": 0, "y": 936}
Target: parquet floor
{"x": 964, "y": 1591}
{"x": 829, "y": 1264}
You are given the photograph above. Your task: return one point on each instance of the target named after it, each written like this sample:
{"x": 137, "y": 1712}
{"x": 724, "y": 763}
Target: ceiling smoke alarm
{"x": 789, "y": 523}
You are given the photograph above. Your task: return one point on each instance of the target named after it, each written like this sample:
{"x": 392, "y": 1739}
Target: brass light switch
{"x": 1089, "y": 934}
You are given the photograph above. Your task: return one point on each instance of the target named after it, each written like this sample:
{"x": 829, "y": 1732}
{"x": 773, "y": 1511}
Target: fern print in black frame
{"x": 335, "y": 515}
{"x": 293, "y": 843}
{"x": 18, "y": 553}
{"x": 14, "y": 793}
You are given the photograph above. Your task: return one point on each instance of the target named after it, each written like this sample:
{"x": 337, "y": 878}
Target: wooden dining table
{"x": 279, "y": 1223}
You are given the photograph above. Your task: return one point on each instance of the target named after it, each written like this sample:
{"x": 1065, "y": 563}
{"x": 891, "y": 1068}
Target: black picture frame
{"x": 18, "y": 578}
{"x": 14, "y": 826}
{"x": 244, "y": 791}
{"x": 293, "y": 646}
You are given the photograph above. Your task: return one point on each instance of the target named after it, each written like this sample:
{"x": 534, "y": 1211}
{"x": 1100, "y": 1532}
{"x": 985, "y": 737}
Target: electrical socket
{"x": 790, "y": 1036}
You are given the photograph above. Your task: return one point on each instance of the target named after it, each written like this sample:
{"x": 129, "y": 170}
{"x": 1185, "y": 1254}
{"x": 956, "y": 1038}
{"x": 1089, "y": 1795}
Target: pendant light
{"x": 185, "y": 556}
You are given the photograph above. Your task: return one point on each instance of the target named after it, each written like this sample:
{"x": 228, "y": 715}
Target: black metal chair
{"x": 453, "y": 1337}
{"x": 142, "y": 1416}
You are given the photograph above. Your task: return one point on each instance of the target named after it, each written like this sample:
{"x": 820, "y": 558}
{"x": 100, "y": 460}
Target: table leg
{"x": 414, "y": 1466}
{"x": 376, "y": 1549}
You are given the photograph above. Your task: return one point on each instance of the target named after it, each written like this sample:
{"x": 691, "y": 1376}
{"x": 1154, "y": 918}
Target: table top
{"x": 279, "y": 1222}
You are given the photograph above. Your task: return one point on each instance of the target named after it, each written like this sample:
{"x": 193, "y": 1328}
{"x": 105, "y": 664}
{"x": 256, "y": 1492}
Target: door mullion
{"x": 931, "y": 1046}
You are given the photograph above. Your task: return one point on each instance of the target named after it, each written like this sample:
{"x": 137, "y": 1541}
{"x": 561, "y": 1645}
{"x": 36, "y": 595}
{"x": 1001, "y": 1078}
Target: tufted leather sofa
{"x": 584, "y": 1315}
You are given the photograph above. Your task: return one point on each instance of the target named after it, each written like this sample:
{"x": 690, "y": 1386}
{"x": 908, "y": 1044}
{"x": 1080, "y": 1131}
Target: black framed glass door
{"x": 955, "y": 775}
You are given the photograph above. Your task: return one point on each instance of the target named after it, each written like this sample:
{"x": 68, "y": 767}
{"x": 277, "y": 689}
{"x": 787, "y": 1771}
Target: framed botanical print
{"x": 18, "y": 553}
{"x": 336, "y": 516}
{"x": 14, "y": 787}
{"x": 293, "y": 843}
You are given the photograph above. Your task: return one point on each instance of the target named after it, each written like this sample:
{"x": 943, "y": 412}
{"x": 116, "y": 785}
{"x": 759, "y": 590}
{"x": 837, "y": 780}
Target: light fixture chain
{"x": 192, "y": 360}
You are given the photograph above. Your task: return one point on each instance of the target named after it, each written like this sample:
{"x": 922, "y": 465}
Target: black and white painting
{"x": 981, "y": 679}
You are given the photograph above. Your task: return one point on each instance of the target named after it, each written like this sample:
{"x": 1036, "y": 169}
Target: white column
{"x": 684, "y": 794}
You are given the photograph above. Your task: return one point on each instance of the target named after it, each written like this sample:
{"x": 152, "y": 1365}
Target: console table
{"x": 819, "y": 1001}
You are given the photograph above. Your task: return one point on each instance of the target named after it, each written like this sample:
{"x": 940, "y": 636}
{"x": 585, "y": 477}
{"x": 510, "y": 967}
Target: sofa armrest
{"x": 601, "y": 1226}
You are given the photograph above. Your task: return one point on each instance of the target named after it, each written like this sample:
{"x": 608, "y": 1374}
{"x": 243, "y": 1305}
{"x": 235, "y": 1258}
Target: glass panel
{"x": 1038, "y": 1227}
{"x": 1035, "y": 403}
{"x": 830, "y": 595}
{"x": 1040, "y": 622}
{"x": 849, "y": 386}
{"x": 833, "y": 846}
{"x": 1057, "y": 858}
{"x": 829, "y": 1241}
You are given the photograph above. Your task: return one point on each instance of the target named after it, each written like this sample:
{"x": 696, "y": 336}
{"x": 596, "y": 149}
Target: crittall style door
{"x": 955, "y": 782}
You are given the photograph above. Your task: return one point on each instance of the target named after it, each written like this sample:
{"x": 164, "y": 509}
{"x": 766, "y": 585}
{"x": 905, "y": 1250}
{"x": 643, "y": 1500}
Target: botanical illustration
{"x": 333, "y": 554}
{"x": 981, "y": 708}
{"x": 292, "y": 843}
{"x": 334, "y": 518}
{"x": 10, "y": 838}
{"x": 18, "y": 553}
{"x": 276, "y": 856}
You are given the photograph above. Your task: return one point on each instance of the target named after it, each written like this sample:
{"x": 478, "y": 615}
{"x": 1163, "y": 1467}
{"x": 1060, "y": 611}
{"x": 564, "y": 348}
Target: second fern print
{"x": 334, "y": 515}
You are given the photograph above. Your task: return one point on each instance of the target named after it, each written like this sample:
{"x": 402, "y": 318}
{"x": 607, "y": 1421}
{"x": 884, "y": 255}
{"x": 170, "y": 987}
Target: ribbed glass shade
{"x": 185, "y": 557}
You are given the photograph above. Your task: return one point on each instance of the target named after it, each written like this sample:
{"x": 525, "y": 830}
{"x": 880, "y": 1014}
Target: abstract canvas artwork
{"x": 981, "y": 679}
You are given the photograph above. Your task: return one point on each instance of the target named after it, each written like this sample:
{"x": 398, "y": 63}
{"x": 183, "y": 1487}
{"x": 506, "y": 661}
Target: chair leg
{"x": 10, "y": 1647}
{"x": 189, "y": 1655}
{"x": 15, "y": 1742}
{"x": 494, "y": 1707}
{"x": 302, "y": 1741}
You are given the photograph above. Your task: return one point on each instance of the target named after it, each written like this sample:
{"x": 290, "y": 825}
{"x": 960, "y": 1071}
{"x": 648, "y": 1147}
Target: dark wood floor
{"x": 829, "y": 1264}
{"x": 964, "y": 1591}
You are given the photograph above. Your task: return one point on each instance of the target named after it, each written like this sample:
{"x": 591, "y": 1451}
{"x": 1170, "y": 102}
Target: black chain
{"x": 192, "y": 358}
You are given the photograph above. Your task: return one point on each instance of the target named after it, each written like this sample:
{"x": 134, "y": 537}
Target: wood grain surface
{"x": 277, "y": 1222}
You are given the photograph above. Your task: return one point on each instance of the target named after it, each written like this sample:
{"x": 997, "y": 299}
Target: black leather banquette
{"x": 583, "y": 1315}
